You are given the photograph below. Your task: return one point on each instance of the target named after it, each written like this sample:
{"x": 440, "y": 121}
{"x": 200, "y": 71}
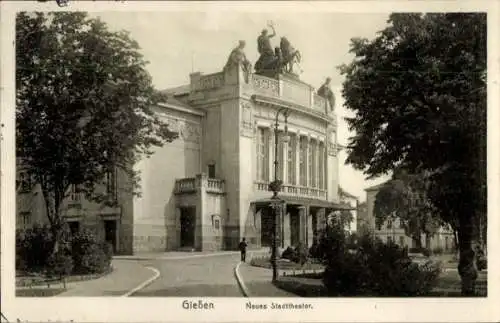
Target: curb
{"x": 144, "y": 284}
{"x": 174, "y": 257}
{"x": 240, "y": 281}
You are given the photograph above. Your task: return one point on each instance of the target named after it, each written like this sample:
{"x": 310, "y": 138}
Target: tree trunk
{"x": 466, "y": 265}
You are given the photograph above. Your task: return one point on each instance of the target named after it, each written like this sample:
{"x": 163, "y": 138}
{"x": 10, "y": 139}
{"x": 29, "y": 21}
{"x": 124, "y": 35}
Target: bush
{"x": 288, "y": 253}
{"x": 373, "y": 269}
{"x": 299, "y": 254}
{"x": 60, "y": 264}
{"x": 438, "y": 251}
{"x": 34, "y": 247}
{"x": 89, "y": 255}
{"x": 426, "y": 252}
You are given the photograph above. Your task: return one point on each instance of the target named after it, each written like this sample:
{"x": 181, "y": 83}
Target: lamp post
{"x": 275, "y": 187}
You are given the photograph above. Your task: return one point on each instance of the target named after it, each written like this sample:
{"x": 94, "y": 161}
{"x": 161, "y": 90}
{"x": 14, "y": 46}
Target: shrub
{"x": 438, "y": 251}
{"x": 301, "y": 254}
{"x": 315, "y": 251}
{"x": 34, "y": 247}
{"x": 89, "y": 255}
{"x": 288, "y": 253}
{"x": 374, "y": 269}
{"x": 59, "y": 264}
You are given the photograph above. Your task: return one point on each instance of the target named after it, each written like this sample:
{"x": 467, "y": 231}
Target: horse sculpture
{"x": 291, "y": 56}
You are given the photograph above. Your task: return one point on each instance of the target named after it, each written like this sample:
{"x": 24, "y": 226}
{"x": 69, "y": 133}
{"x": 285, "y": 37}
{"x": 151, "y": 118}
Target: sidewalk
{"x": 125, "y": 277}
{"x": 173, "y": 255}
{"x": 258, "y": 283}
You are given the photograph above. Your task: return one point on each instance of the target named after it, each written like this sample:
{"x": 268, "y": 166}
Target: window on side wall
{"x": 211, "y": 170}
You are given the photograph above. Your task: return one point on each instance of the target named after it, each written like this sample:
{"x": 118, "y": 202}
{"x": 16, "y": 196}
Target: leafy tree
{"x": 405, "y": 198}
{"x": 84, "y": 106}
{"x": 418, "y": 91}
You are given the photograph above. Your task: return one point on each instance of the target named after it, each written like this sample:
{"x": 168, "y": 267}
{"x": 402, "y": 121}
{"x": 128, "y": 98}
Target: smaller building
{"x": 392, "y": 230}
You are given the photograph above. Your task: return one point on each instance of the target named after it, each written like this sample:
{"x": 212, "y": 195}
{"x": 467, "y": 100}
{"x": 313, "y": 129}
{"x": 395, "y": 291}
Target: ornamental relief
{"x": 188, "y": 131}
{"x": 247, "y": 120}
{"x": 266, "y": 84}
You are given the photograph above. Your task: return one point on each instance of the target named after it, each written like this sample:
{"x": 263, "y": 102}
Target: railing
{"x": 215, "y": 185}
{"x": 185, "y": 185}
{"x": 211, "y": 81}
{"x": 295, "y": 190}
{"x": 192, "y": 184}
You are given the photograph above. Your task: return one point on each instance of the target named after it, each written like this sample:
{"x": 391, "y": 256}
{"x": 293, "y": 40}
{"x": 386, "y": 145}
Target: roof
{"x": 376, "y": 187}
{"x": 346, "y": 194}
{"x": 308, "y": 201}
{"x": 183, "y": 89}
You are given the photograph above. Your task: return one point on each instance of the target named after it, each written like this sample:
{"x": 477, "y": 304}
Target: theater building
{"x": 210, "y": 187}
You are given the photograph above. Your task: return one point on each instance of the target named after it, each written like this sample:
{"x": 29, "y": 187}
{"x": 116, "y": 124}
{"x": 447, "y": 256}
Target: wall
{"x": 155, "y": 214}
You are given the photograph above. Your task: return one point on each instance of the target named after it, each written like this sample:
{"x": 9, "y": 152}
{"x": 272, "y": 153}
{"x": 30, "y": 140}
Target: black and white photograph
{"x": 288, "y": 158}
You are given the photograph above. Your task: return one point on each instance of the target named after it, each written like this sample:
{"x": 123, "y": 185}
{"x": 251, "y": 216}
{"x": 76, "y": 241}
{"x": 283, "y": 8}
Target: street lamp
{"x": 275, "y": 187}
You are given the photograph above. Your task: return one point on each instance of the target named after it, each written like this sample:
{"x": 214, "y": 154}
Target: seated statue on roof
{"x": 326, "y": 92}
{"x": 238, "y": 57}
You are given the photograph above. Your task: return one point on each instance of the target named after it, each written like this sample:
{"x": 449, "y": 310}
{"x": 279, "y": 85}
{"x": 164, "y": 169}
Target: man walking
{"x": 243, "y": 249}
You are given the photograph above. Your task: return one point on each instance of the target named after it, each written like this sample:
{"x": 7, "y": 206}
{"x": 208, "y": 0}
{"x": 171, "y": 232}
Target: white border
{"x": 227, "y": 309}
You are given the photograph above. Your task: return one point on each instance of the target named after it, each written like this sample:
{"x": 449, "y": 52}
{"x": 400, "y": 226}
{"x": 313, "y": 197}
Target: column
{"x": 310, "y": 228}
{"x": 282, "y": 226}
{"x": 302, "y": 224}
{"x": 286, "y": 229}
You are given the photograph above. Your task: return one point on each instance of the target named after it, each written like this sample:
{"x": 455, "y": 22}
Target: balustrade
{"x": 295, "y": 190}
{"x": 191, "y": 184}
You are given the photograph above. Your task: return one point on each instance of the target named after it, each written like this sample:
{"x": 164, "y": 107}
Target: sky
{"x": 178, "y": 43}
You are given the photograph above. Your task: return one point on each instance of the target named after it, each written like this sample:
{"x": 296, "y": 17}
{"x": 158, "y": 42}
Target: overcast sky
{"x": 177, "y": 43}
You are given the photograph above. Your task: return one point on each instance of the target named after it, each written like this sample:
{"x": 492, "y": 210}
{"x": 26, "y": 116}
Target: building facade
{"x": 392, "y": 230}
{"x": 210, "y": 187}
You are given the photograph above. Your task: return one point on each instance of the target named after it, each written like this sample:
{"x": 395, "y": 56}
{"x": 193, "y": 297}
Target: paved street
{"x": 209, "y": 276}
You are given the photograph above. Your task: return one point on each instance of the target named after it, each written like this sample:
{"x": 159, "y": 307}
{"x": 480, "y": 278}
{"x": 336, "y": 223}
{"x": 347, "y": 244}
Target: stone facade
{"x": 209, "y": 188}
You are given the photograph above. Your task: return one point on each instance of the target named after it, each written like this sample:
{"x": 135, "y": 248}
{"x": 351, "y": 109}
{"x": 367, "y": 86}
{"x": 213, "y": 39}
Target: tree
{"x": 405, "y": 198}
{"x": 84, "y": 107}
{"x": 418, "y": 91}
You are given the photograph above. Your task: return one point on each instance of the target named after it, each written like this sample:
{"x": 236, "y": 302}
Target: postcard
{"x": 249, "y": 161}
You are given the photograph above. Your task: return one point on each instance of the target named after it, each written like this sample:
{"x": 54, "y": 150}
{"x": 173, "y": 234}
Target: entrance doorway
{"x": 266, "y": 227}
{"x": 110, "y": 233}
{"x": 294, "y": 226}
{"x": 188, "y": 224}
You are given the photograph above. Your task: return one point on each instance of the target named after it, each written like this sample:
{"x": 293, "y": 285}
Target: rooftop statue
{"x": 281, "y": 60}
{"x": 238, "y": 57}
{"x": 291, "y": 56}
{"x": 326, "y": 92}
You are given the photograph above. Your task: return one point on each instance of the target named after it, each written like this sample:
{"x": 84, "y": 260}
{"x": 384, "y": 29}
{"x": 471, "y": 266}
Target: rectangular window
{"x": 26, "y": 217}
{"x": 211, "y": 171}
{"x": 262, "y": 153}
{"x": 24, "y": 184}
{"x": 321, "y": 164}
{"x": 314, "y": 163}
{"x": 281, "y": 148}
{"x": 111, "y": 183}
{"x": 302, "y": 162}
{"x": 291, "y": 160}
{"x": 310, "y": 163}
{"x": 74, "y": 194}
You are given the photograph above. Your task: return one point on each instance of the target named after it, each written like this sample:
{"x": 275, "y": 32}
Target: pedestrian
{"x": 243, "y": 249}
